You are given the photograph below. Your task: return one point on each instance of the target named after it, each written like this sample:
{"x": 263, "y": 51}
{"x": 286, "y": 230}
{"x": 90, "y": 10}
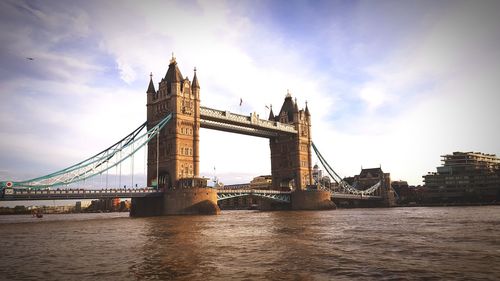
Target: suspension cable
{"x": 157, "y": 160}
{"x": 120, "y": 177}
{"x": 93, "y": 166}
{"x": 107, "y": 173}
{"x": 340, "y": 181}
{"x": 132, "y": 167}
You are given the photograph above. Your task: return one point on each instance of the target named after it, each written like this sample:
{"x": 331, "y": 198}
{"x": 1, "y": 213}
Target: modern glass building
{"x": 465, "y": 177}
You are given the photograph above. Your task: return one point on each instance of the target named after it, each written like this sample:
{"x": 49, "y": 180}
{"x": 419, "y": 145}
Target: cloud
{"x": 434, "y": 95}
{"x": 390, "y": 83}
{"x": 73, "y": 116}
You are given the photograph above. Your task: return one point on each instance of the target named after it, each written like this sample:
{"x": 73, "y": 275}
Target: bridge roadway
{"x": 222, "y": 194}
{"x": 68, "y": 194}
{"x": 63, "y": 194}
{"x": 338, "y": 195}
{"x": 276, "y": 195}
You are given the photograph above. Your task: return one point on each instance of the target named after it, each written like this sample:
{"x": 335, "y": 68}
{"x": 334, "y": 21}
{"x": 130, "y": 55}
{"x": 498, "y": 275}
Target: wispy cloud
{"x": 435, "y": 94}
{"x": 392, "y": 83}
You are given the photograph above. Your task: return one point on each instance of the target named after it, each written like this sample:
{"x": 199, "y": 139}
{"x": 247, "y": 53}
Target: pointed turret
{"x": 307, "y": 110}
{"x": 173, "y": 72}
{"x": 151, "y": 87}
{"x": 287, "y": 109}
{"x": 271, "y": 114}
{"x": 195, "y": 84}
{"x": 296, "y": 113}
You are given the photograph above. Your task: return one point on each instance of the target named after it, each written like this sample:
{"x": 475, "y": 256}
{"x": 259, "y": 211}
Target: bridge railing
{"x": 234, "y": 186}
{"x": 276, "y": 195}
{"x": 252, "y": 191}
{"x": 340, "y": 195}
{"x": 246, "y": 120}
{"x": 21, "y": 191}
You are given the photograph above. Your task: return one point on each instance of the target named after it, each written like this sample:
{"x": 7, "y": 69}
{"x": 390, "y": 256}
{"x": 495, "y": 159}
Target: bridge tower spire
{"x": 271, "y": 114}
{"x": 195, "y": 92}
{"x": 151, "y": 93}
{"x": 151, "y": 87}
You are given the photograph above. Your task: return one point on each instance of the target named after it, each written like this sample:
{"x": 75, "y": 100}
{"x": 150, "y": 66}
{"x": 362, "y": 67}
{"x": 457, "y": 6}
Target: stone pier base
{"x": 269, "y": 205}
{"x": 311, "y": 200}
{"x": 191, "y": 201}
{"x": 183, "y": 201}
{"x": 146, "y": 207}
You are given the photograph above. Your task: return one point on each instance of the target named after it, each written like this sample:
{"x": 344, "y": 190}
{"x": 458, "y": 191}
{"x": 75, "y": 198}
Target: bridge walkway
{"x": 65, "y": 194}
{"x": 222, "y": 194}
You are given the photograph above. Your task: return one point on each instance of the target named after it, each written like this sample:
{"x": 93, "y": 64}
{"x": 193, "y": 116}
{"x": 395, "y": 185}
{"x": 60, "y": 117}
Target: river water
{"x": 452, "y": 243}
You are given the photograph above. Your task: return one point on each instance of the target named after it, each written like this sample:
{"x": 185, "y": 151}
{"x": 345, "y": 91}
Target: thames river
{"x": 447, "y": 243}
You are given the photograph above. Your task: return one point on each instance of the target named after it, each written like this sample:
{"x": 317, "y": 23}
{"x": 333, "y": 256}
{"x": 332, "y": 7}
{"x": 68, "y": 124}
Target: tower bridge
{"x": 174, "y": 118}
{"x": 175, "y": 153}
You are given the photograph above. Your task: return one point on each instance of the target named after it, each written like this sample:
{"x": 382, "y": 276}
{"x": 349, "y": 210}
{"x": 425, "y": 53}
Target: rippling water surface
{"x": 455, "y": 243}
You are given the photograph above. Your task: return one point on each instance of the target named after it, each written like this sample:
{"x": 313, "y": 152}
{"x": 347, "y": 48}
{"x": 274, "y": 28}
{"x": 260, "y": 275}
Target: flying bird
{"x": 30, "y": 58}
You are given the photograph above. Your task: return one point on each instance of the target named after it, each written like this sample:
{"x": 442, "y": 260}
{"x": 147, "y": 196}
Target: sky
{"x": 394, "y": 84}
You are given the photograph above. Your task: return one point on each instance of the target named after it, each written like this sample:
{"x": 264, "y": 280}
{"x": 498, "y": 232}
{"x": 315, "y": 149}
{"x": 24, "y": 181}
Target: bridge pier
{"x": 311, "y": 199}
{"x": 146, "y": 206}
{"x": 357, "y": 203}
{"x": 190, "y": 197}
{"x": 269, "y": 205}
{"x": 191, "y": 201}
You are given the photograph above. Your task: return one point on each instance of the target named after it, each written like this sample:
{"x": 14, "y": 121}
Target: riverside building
{"x": 465, "y": 177}
{"x": 370, "y": 177}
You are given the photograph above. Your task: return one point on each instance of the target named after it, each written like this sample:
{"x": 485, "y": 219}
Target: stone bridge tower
{"x": 176, "y": 155}
{"x": 291, "y": 154}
